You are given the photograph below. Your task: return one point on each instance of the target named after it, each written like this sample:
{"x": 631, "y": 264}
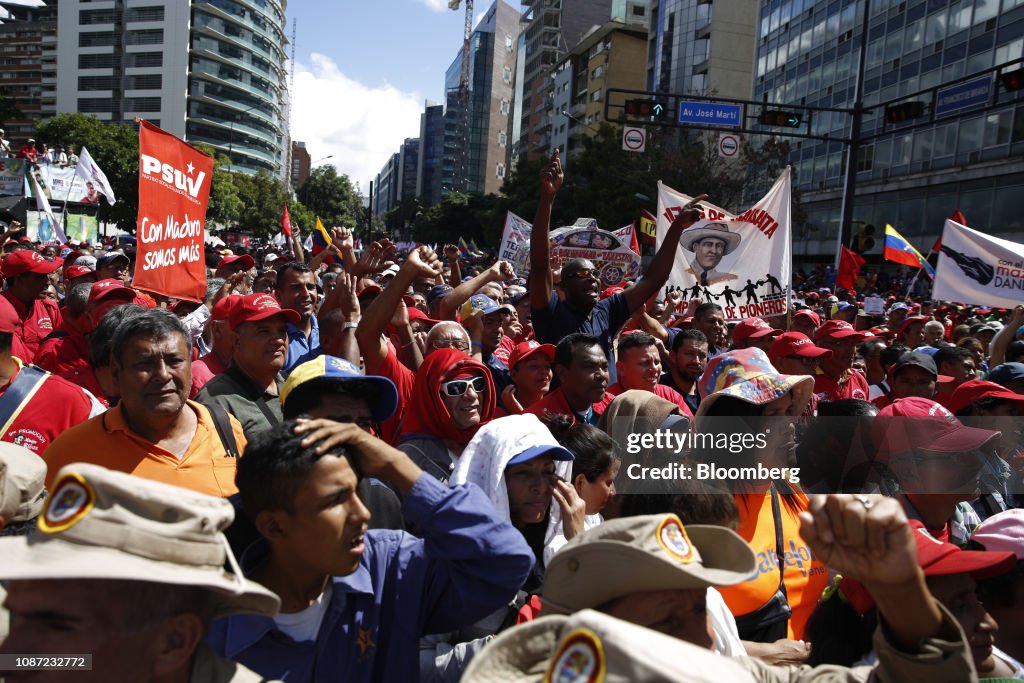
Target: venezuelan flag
{"x": 322, "y": 240}
{"x": 899, "y": 250}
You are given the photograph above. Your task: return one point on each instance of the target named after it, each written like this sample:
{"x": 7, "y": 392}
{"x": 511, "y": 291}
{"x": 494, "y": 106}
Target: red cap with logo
{"x": 795, "y": 344}
{"x": 977, "y": 389}
{"x": 29, "y": 261}
{"x": 838, "y": 329}
{"x": 526, "y": 349}
{"x": 810, "y": 315}
{"x": 753, "y": 328}
{"x": 909, "y": 423}
{"x": 254, "y": 307}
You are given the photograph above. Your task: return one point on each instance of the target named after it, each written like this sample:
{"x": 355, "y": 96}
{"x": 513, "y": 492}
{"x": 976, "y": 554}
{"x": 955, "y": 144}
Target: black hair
{"x": 693, "y": 334}
{"x": 308, "y": 395}
{"x": 704, "y": 308}
{"x": 594, "y": 450}
{"x": 273, "y": 467}
{"x": 102, "y": 338}
{"x": 282, "y": 271}
{"x": 567, "y": 346}
{"x": 634, "y": 340}
{"x": 951, "y": 355}
{"x": 150, "y": 323}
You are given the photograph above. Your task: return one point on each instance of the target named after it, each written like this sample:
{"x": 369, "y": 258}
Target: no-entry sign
{"x": 634, "y": 139}
{"x": 728, "y": 146}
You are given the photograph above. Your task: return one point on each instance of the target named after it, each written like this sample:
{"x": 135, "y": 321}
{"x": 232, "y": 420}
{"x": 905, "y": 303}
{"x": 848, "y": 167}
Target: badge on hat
{"x": 71, "y": 500}
{"x": 673, "y": 539}
{"x": 580, "y": 659}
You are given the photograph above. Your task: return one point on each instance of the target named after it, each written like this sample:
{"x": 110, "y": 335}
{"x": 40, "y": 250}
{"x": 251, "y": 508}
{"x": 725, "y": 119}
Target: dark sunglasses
{"x": 457, "y": 387}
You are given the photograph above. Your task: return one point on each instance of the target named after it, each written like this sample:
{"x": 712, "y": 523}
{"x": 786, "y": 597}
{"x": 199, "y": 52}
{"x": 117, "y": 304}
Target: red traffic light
{"x": 898, "y": 113}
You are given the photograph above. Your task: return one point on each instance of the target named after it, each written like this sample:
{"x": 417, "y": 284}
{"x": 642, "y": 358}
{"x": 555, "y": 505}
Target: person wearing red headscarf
{"x": 452, "y": 397}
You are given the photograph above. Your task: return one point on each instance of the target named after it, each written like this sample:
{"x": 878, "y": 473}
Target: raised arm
{"x": 541, "y": 282}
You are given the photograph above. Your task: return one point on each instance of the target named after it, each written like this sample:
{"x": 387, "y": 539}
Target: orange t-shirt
{"x": 106, "y": 440}
{"x": 805, "y": 576}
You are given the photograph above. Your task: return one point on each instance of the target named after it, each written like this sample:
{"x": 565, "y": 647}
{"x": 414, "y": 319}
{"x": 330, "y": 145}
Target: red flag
{"x": 174, "y": 186}
{"x": 957, "y": 217}
{"x": 286, "y": 223}
{"x": 850, "y": 264}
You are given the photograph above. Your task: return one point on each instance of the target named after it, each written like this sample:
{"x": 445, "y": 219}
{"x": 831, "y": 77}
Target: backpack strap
{"x": 223, "y": 424}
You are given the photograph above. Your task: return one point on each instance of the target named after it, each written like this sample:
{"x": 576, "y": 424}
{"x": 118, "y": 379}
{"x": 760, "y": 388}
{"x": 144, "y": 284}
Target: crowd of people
{"x": 385, "y": 466}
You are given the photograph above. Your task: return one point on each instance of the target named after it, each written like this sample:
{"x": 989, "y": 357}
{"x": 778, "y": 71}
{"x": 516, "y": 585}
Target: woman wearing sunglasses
{"x": 453, "y": 395}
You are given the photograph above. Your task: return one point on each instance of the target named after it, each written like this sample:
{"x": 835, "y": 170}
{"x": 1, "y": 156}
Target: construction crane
{"x": 462, "y": 134}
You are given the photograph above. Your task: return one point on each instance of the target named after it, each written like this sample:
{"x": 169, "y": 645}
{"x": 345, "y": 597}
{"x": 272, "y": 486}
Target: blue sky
{"x": 363, "y": 71}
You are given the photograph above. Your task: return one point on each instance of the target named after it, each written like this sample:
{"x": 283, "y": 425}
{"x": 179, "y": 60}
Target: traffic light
{"x": 898, "y": 113}
{"x": 1012, "y": 80}
{"x": 646, "y": 108}
{"x": 865, "y": 238}
{"x": 783, "y": 119}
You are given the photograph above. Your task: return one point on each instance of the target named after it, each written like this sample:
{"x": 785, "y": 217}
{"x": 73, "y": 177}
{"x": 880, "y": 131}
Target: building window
{"x": 500, "y": 170}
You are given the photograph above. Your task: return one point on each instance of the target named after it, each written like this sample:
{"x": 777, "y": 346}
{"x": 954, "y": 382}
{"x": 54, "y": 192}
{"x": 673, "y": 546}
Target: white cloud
{"x": 360, "y": 125}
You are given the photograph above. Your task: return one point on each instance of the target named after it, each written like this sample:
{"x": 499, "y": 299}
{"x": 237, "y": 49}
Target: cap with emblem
{"x": 255, "y": 307}
{"x": 380, "y": 392}
{"x": 99, "y": 524}
{"x": 22, "y": 490}
{"x": 590, "y": 647}
{"x": 649, "y": 553}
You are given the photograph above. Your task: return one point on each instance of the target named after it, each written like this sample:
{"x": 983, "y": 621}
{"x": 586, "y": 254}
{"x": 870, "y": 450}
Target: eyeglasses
{"x": 451, "y": 344}
{"x": 582, "y": 274}
{"x": 457, "y": 387}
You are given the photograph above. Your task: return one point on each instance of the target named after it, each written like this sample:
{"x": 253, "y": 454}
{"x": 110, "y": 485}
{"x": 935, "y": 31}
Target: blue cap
{"x": 484, "y": 303}
{"x": 557, "y": 452}
{"x": 1006, "y": 373}
{"x": 383, "y": 398}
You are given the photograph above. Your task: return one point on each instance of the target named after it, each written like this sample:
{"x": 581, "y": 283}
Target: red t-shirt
{"x": 853, "y": 385}
{"x": 37, "y": 321}
{"x": 56, "y": 406}
{"x": 660, "y": 390}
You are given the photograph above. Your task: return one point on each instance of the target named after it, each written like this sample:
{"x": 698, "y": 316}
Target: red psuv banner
{"x": 174, "y": 186}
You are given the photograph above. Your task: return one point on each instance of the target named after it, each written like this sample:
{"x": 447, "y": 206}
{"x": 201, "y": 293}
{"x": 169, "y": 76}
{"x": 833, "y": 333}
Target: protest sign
{"x": 174, "y": 186}
{"x": 742, "y": 263}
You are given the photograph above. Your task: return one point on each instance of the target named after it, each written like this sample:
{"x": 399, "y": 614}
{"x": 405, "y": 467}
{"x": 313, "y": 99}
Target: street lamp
{"x": 231, "y": 134}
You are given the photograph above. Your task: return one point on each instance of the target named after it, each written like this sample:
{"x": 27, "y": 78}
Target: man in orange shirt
{"x": 155, "y": 432}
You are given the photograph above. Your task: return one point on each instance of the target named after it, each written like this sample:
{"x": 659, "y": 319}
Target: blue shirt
{"x": 558, "y": 319}
{"x": 468, "y": 564}
{"x": 301, "y": 349}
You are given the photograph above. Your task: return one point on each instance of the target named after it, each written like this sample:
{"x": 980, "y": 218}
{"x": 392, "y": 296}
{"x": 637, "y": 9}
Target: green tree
{"x": 115, "y": 149}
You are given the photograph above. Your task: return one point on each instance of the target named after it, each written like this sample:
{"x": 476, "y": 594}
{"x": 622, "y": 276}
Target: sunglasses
{"x": 583, "y": 274}
{"x": 457, "y": 387}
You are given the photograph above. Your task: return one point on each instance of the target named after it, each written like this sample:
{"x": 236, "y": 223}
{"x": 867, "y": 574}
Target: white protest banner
{"x": 978, "y": 270}
{"x": 742, "y": 263}
{"x": 515, "y": 242}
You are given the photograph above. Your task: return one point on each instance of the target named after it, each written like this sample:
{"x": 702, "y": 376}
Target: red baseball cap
{"x": 753, "y": 328}
{"x": 254, "y": 307}
{"x": 528, "y": 348}
{"x": 810, "y": 315}
{"x": 969, "y": 392}
{"x": 246, "y": 260}
{"x": 29, "y": 261}
{"x": 838, "y": 329}
{"x": 222, "y": 309}
{"x": 104, "y": 289}
{"x": 795, "y": 344}
{"x": 78, "y": 271}
{"x": 909, "y": 423}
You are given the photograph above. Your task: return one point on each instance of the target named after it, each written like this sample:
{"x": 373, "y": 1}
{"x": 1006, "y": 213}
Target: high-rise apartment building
{"x": 210, "y": 72}
{"x": 912, "y": 175}
{"x": 476, "y": 157}
{"x": 28, "y": 53}
{"x": 702, "y": 48}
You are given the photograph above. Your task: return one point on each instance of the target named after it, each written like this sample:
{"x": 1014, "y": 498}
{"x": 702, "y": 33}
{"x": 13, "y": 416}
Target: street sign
{"x": 634, "y": 139}
{"x": 710, "y": 113}
{"x": 963, "y": 95}
{"x": 728, "y": 146}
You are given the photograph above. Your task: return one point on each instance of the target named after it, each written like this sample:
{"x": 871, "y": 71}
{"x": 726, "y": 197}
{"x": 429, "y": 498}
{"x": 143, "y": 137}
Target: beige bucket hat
{"x": 99, "y": 524}
{"x": 22, "y": 489}
{"x": 644, "y": 553}
{"x": 590, "y": 647}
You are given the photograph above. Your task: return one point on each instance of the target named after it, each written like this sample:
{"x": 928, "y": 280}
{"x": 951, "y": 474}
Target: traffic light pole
{"x": 853, "y": 146}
